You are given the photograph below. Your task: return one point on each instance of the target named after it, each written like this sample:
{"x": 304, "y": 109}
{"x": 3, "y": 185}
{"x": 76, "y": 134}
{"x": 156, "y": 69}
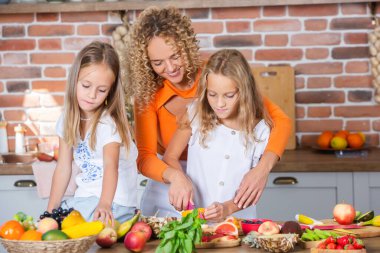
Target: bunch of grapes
{"x": 57, "y": 214}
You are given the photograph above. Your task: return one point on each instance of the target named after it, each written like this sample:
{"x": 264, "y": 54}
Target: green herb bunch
{"x": 181, "y": 236}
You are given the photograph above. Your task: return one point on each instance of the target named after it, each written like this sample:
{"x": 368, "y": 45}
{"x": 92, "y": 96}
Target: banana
{"x": 126, "y": 226}
{"x": 301, "y": 218}
{"x": 374, "y": 222}
{"x": 84, "y": 229}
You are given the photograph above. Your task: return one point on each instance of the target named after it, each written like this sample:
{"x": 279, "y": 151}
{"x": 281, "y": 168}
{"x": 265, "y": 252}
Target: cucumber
{"x": 366, "y": 216}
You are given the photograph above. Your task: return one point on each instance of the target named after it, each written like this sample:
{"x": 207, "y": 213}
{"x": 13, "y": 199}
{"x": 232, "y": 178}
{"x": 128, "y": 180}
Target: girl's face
{"x": 165, "y": 61}
{"x": 222, "y": 96}
{"x": 94, "y": 84}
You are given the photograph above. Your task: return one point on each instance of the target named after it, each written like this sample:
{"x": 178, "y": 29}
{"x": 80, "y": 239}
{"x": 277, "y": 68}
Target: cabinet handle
{"x": 25, "y": 183}
{"x": 144, "y": 182}
{"x": 285, "y": 180}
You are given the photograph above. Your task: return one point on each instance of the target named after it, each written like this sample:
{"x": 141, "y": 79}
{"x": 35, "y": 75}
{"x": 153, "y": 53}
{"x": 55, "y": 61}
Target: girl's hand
{"x": 104, "y": 214}
{"x": 180, "y": 190}
{"x": 216, "y": 212}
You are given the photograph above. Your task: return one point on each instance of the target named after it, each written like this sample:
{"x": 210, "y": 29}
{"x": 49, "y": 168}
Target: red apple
{"x": 269, "y": 228}
{"x": 344, "y": 214}
{"x": 135, "y": 241}
{"x": 107, "y": 237}
{"x": 143, "y": 227}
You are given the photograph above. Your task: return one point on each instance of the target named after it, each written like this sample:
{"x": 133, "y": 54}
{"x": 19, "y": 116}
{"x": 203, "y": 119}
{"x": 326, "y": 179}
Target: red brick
{"x": 19, "y": 72}
{"x": 205, "y": 54}
{"x": 356, "y": 38}
{"x": 235, "y": 13}
{"x": 318, "y": 82}
{"x": 276, "y": 40}
{"x": 16, "y": 18}
{"x": 208, "y": 27}
{"x": 282, "y": 25}
{"x": 238, "y": 26}
{"x": 307, "y": 141}
{"x": 52, "y": 58}
{"x": 353, "y": 81}
{"x": 300, "y": 112}
{"x": 299, "y": 82}
{"x": 319, "y": 68}
{"x": 357, "y": 67}
{"x": 55, "y": 72}
{"x": 1, "y": 87}
{"x": 274, "y": 11}
{"x": 15, "y": 115}
{"x": 357, "y": 111}
{"x": 313, "y": 10}
{"x": 107, "y": 29}
{"x": 197, "y": 13}
{"x": 376, "y": 125}
{"x": 319, "y": 112}
{"x": 278, "y": 54}
{"x": 45, "y": 114}
{"x": 87, "y": 30}
{"x": 238, "y": 41}
{"x": 47, "y": 17}
{"x": 15, "y": 58}
{"x": 318, "y": 125}
{"x": 49, "y": 86}
{"x": 311, "y": 97}
{"x": 21, "y": 44}
{"x": 315, "y": 39}
{"x": 350, "y": 23}
{"x": 358, "y": 125}
{"x": 354, "y": 8}
{"x": 19, "y": 101}
{"x": 96, "y": 16}
{"x": 50, "y": 30}
{"x": 49, "y": 100}
{"x": 49, "y": 44}
{"x": 13, "y": 31}
{"x": 315, "y": 24}
{"x": 317, "y": 53}
{"x": 76, "y": 43}
{"x": 350, "y": 52}
{"x": 17, "y": 86}
{"x": 360, "y": 96}
{"x": 205, "y": 41}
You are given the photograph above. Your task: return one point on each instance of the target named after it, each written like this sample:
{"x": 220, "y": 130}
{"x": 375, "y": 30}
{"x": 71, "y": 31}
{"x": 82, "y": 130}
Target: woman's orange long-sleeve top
{"x": 155, "y": 126}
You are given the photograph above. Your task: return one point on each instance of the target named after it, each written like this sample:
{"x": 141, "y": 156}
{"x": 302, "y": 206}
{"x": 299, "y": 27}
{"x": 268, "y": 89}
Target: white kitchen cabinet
{"x": 311, "y": 193}
{"x": 367, "y": 191}
{"x": 19, "y": 193}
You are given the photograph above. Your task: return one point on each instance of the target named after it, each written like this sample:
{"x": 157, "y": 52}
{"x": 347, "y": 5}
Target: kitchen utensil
{"x": 249, "y": 225}
{"x": 331, "y": 227}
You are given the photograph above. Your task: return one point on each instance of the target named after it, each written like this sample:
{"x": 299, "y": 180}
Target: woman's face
{"x": 165, "y": 61}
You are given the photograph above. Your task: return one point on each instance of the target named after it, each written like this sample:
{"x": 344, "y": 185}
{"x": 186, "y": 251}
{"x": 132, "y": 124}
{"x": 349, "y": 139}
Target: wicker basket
{"x": 80, "y": 245}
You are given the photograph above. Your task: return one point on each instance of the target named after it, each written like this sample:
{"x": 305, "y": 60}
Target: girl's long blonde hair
{"x": 95, "y": 53}
{"x": 232, "y": 64}
{"x": 175, "y": 29}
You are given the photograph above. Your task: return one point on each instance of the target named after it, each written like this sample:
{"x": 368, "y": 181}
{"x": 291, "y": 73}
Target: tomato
{"x": 11, "y": 230}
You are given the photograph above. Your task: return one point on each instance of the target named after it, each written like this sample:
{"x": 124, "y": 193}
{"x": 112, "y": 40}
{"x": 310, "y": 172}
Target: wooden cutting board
{"x": 363, "y": 232}
{"x": 277, "y": 83}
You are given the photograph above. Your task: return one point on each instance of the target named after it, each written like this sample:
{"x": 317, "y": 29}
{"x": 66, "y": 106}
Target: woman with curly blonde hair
{"x": 164, "y": 68}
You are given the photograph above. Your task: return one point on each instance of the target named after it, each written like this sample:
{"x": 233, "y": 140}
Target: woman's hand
{"x": 217, "y": 212}
{"x": 104, "y": 214}
{"x": 180, "y": 189}
{"x": 254, "y": 182}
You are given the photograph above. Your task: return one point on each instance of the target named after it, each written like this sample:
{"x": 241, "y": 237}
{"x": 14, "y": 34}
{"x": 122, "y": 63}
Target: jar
{"x": 20, "y": 141}
{"x": 3, "y": 137}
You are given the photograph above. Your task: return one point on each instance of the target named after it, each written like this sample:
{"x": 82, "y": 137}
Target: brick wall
{"x": 326, "y": 44}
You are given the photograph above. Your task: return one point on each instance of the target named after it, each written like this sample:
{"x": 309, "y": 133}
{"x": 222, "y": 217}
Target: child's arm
{"x": 181, "y": 189}
{"x": 103, "y": 211}
{"x": 219, "y": 211}
{"x": 61, "y": 176}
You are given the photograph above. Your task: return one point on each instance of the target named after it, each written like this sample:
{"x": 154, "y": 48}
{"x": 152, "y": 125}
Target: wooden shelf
{"x": 142, "y": 4}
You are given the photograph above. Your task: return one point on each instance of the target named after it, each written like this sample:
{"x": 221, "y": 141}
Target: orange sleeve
{"x": 280, "y": 133}
{"x": 146, "y": 139}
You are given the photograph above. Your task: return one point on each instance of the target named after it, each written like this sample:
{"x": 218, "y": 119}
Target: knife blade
{"x": 333, "y": 226}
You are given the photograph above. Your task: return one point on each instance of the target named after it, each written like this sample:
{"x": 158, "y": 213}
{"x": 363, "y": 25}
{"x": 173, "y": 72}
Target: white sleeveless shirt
{"x": 218, "y": 169}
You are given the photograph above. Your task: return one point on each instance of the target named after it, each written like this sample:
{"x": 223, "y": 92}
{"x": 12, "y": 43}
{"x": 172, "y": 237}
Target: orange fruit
{"x": 234, "y": 221}
{"x": 355, "y": 141}
{"x": 362, "y": 135}
{"x": 201, "y": 211}
{"x": 31, "y": 235}
{"x": 324, "y": 139}
{"x": 11, "y": 230}
{"x": 226, "y": 228}
{"x": 342, "y": 133}
{"x": 338, "y": 143}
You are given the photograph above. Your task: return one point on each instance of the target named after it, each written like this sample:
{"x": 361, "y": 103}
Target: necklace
{"x": 85, "y": 119}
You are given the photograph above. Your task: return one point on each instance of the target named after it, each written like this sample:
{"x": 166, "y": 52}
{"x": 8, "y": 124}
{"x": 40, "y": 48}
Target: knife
{"x": 332, "y": 226}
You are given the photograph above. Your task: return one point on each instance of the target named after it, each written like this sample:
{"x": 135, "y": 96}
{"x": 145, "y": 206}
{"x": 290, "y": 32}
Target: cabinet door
{"x": 367, "y": 191}
{"x": 312, "y": 194}
{"x": 19, "y": 193}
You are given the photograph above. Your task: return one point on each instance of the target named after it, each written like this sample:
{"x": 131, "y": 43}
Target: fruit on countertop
{"x": 344, "y": 213}
{"x": 31, "y": 235}
{"x": 365, "y": 216}
{"x": 346, "y": 242}
{"x": 291, "y": 227}
{"x": 226, "y": 228}
{"x": 58, "y": 214}
{"x": 11, "y": 230}
{"x": 374, "y": 222}
{"x": 25, "y": 220}
{"x": 127, "y": 225}
{"x": 317, "y": 235}
{"x": 278, "y": 242}
{"x": 324, "y": 139}
{"x": 143, "y": 227}
{"x": 135, "y": 241}
{"x": 340, "y": 140}
{"x": 74, "y": 218}
{"x": 43, "y": 157}
{"x": 303, "y": 219}
{"x": 47, "y": 224}
{"x": 269, "y": 228}
{"x": 84, "y": 229}
{"x": 54, "y": 235}
{"x": 107, "y": 237}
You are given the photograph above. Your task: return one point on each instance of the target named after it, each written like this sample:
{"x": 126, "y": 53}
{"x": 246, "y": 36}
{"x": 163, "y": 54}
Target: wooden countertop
{"x": 300, "y": 160}
{"x": 372, "y": 246}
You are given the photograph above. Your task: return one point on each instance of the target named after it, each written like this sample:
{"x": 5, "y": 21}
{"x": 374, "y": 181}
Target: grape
{"x": 71, "y": 209}
{"x": 55, "y": 212}
{"x": 47, "y": 214}
{"x": 60, "y": 210}
{"x": 41, "y": 217}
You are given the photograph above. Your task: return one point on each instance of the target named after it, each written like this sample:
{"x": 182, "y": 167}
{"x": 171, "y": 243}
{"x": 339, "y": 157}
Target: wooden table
{"x": 372, "y": 245}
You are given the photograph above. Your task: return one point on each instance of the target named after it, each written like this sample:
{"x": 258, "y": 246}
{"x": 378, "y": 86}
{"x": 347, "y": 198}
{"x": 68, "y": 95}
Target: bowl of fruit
{"x": 249, "y": 225}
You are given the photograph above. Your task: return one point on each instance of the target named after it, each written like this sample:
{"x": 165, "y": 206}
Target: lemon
{"x": 338, "y": 143}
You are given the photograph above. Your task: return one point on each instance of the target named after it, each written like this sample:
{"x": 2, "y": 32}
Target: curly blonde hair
{"x": 232, "y": 64}
{"x": 175, "y": 29}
